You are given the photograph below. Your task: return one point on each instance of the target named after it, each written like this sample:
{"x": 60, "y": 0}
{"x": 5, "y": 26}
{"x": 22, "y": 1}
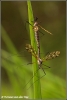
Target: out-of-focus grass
{"x": 16, "y": 71}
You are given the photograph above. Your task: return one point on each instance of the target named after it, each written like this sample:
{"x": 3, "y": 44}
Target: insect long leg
{"x": 38, "y": 78}
{"x": 31, "y": 78}
{"x": 43, "y": 70}
{"x": 35, "y": 81}
{"x": 45, "y": 30}
{"x": 41, "y": 76}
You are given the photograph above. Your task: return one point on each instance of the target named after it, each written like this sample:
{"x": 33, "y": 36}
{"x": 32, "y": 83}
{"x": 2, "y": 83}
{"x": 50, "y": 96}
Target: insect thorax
{"x": 39, "y": 61}
{"x": 35, "y": 27}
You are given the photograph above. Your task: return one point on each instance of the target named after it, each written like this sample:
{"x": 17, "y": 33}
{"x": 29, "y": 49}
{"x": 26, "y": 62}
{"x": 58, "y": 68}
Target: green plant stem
{"x": 36, "y": 85}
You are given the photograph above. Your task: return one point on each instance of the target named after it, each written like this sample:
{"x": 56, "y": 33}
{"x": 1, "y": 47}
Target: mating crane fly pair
{"x": 30, "y": 49}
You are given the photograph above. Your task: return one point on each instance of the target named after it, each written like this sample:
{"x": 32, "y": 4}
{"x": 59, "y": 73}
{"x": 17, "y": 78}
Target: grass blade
{"x": 37, "y": 87}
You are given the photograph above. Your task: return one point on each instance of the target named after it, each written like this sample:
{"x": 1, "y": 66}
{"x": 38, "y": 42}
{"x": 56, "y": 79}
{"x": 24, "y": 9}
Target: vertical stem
{"x": 36, "y": 85}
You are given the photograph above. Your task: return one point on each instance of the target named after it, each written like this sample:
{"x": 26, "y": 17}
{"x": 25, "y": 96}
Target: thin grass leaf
{"x": 37, "y": 87}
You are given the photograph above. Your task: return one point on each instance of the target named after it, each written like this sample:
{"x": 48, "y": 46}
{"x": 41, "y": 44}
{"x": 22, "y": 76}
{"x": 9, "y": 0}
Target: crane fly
{"x": 49, "y": 56}
{"x": 36, "y": 27}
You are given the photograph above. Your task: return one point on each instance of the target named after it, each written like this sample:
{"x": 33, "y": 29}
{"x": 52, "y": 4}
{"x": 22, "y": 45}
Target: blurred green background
{"x": 15, "y": 72}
